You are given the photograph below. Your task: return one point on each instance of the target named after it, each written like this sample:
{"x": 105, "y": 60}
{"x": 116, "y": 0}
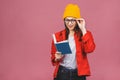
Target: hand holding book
{"x": 58, "y": 56}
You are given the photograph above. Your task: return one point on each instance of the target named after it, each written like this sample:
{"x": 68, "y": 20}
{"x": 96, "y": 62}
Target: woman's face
{"x": 70, "y": 23}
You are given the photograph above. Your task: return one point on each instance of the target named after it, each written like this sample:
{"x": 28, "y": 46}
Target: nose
{"x": 69, "y": 23}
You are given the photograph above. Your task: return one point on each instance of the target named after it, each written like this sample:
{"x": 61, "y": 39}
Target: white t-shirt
{"x": 69, "y": 60}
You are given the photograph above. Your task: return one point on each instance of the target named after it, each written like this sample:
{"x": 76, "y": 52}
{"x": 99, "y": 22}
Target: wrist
{"x": 84, "y": 31}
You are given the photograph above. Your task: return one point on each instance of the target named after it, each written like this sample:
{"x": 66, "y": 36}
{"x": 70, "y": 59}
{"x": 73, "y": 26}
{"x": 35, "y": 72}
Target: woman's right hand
{"x": 58, "y": 56}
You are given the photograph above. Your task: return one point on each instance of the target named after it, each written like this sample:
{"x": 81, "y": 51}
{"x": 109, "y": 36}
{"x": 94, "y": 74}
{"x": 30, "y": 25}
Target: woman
{"x": 73, "y": 66}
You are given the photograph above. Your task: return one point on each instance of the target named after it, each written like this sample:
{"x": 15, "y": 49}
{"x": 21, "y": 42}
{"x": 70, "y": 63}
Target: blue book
{"x": 62, "y": 46}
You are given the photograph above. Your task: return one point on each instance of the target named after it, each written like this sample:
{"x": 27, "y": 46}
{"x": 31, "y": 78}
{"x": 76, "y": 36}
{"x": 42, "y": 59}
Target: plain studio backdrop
{"x": 26, "y": 28}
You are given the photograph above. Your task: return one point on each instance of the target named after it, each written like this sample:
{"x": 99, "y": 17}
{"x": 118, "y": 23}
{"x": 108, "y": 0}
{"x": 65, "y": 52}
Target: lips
{"x": 70, "y": 26}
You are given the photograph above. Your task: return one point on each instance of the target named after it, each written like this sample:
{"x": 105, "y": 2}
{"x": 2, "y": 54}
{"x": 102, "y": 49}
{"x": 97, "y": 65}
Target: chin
{"x": 71, "y": 29}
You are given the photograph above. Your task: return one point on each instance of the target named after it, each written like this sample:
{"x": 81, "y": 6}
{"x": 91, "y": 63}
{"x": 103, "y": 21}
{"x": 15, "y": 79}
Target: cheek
{"x": 74, "y": 25}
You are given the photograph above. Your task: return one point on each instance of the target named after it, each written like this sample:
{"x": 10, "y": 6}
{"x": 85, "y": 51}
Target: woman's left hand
{"x": 81, "y": 24}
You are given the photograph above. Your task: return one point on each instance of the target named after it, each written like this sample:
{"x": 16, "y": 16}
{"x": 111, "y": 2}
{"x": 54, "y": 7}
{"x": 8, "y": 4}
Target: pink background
{"x": 26, "y": 27}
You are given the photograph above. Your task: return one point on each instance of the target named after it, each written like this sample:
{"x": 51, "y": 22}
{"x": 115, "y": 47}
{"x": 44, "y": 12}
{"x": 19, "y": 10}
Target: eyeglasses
{"x": 70, "y": 20}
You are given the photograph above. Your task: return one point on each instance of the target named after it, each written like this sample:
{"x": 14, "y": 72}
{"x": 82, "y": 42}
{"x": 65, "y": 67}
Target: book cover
{"x": 62, "y": 46}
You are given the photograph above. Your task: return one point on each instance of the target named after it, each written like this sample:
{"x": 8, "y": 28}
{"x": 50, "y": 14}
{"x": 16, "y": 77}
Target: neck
{"x": 71, "y": 33}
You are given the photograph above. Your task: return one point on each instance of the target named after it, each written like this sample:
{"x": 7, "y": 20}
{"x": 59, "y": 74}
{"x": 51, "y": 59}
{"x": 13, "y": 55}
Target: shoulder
{"x": 59, "y": 33}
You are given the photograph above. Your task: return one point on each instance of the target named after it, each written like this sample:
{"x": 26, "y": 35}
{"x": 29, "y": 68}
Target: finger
{"x": 80, "y": 19}
{"x": 58, "y": 52}
{"x": 78, "y": 22}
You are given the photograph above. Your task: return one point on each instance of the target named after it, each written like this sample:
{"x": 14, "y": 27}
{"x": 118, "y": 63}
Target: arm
{"x": 88, "y": 42}
{"x": 87, "y": 39}
{"x": 53, "y": 50}
{"x": 56, "y": 56}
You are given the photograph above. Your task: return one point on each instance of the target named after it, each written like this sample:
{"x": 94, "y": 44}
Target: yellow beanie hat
{"x": 72, "y": 10}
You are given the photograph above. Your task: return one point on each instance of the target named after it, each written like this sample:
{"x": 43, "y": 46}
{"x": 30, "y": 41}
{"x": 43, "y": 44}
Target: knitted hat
{"x": 72, "y": 10}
